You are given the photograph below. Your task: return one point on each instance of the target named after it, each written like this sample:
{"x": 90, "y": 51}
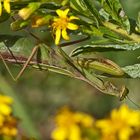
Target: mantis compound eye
{"x": 124, "y": 92}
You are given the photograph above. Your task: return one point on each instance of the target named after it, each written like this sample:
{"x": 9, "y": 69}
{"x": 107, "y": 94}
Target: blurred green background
{"x": 43, "y": 93}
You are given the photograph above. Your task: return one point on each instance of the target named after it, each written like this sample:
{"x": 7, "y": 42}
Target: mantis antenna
{"x": 124, "y": 94}
{"x": 138, "y": 106}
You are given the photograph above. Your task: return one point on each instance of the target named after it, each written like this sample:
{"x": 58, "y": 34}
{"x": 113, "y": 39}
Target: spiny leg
{"x": 27, "y": 62}
{"x": 7, "y": 67}
{"x": 24, "y": 66}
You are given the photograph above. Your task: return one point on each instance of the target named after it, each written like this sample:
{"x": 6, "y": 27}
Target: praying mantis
{"x": 76, "y": 68}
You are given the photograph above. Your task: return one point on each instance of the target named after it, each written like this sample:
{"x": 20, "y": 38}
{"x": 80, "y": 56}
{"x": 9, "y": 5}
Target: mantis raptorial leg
{"x": 28, "y": 61}
{"x": 33, "y": 53}
{"x": 105, "y": 87}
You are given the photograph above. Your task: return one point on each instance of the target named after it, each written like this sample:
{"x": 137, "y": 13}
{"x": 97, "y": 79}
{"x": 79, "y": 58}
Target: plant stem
{"x": 118, "y": 29}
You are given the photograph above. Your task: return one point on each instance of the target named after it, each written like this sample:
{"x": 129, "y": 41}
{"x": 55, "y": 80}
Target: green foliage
{"x": 133, "y": 70}
{"x": 103, "y": 27}
{"x": 138, "y": 23}
{"x": 104, "y": 48}
{"x": 116, "y": 13}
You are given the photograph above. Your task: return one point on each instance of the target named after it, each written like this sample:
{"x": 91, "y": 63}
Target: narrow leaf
{"x": 116, "y": 12}
{"x": 104, "y": 48}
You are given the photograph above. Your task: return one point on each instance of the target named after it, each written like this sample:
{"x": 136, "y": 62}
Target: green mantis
{"x": 76, "y": 68}
{"x": 94, "y": 80}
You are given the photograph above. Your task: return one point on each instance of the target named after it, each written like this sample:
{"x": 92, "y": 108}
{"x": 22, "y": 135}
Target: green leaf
{"x": 138, "y": 23}
{"x": 107, "y": 33}
{"x": 23, "y": 46}
{"x": 8, "y": 40}
{"x": 104, "y": 48}
{"x": 116, "y": 12}
{"x": 104, "y": 14}
{"x": 91, "y": 6}
{"x": 49, "y": 4}
{"x": 78, "y": 5}
{"x": 5, "y": 16}
{"x": 19, "y": 24}
{"x": 86, "y": 8}
{"x": 53, "y": 5}
{"x": 132, "y": 70}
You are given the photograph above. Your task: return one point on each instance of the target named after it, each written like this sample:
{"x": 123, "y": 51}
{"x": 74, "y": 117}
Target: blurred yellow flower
{"x": 61, "y": 24}
{"x": 121, "y": 124}
{"x": 68, "y": 125}
{"x": 5, "y": 103}
{"x": 8, "y": 124}
{"x": 27, "y": 11}
{"x": 9, "y": 127}
{"x": 6, "y": 5}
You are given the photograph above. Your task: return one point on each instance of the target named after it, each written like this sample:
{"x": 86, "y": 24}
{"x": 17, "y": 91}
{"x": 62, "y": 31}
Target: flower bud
{"x": 26, "y": 12}
{"x": 19, "y": 24}
{"x": 40, "y": 21}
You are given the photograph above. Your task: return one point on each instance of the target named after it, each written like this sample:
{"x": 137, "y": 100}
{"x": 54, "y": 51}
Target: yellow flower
{"x": 5, "y": 99}
{"x": 5, "y": 108}
{"x": 68, "y": 125}
{"x": 6, "y": 5}
{"x": 5, "y": 103}
{"x": 9, "y": 127}
{"x": 8, "y": 124}
{"x": 121, "y": 124}
{"x": 61, "y": 24}
{"x": 84, "y": 119}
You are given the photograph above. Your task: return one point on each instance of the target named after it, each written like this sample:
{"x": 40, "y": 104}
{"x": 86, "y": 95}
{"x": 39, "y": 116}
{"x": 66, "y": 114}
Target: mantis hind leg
{"x": 24, "y": 66}
{"x": 27, "y": 62}
{"x": 7, "y": 67}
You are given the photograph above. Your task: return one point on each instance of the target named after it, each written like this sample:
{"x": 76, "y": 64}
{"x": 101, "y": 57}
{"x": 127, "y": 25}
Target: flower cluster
{"x": 122, "y": 124}
{"x": 69, "y": 125}
{"x": 8, "y": 123}
{"x": 59, "y": 24}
